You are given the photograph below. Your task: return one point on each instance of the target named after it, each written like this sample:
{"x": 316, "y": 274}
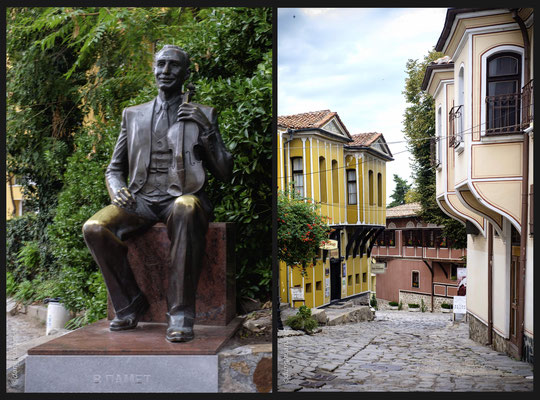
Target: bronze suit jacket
{"x": 131, "y": 156}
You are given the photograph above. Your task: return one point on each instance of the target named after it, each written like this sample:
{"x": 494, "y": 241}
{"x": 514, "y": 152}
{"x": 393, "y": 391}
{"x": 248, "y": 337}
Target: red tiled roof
{"x": 313, "y": 119}
{"x": 404, "y": 210}
{"x": 364, "y": 139}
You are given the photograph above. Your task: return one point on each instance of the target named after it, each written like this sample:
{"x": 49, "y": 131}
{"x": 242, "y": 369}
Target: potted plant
{"x": 393, "y": 305}
{"x": 446, "y": 308}
{"x": 414, "y": 307}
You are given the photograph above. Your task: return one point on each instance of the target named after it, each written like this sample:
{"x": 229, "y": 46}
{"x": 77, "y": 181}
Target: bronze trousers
{"x": 187, "y": 222}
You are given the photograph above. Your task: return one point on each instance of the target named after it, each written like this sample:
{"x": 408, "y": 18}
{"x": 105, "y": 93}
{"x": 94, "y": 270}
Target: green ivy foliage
{"x": 301, "y": 229}
{"x": 303, "y": 320}
{"x": 419, "y": 128}
{"x": 68, "y": 63}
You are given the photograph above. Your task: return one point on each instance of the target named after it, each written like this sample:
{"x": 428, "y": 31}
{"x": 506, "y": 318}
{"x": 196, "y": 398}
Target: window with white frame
{"x": 298, "y": 175}
{"x": 351, "y": 186}
{"x": 503, "y": 87}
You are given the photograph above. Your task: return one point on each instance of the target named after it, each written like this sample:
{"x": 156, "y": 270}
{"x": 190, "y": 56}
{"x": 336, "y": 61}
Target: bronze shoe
{"x": 129, "y": 321}
{"x": 177, "y": 334}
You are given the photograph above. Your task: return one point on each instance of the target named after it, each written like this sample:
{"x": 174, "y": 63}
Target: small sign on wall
{"x": 344, "y": 270}
{"x": 297, "y": 293}
{"x": 327, "y": 287}
{"x": 460, "y": 304}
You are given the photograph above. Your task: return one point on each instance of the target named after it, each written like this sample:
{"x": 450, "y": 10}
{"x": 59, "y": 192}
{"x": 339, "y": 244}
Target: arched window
{"x": 335, "y": 182}
{"x": 370, "y": 188}
{"x": 379, "y": 189}
{"x": 322, "y": 179}
{"x": 351, "y": 186}
{"x": 503, "y": 86}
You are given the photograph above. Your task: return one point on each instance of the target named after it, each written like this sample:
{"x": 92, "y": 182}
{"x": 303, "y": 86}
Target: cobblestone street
{"x": 398, "y": 351}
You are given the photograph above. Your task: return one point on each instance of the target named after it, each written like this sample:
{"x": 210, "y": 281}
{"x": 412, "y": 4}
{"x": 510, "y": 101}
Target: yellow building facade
{"x": 14, "y": 198}
{"x": 346, "y": 175}
{"x": 483, "y": 92}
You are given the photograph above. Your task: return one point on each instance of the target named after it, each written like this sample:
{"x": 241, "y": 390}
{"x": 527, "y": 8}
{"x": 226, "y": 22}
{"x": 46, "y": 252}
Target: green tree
{"x": 401, "y": 189}
{"x": 419, "y": 129}
{"x": 68, "y": 63}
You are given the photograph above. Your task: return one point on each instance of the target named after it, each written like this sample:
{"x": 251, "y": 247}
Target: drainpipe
{"x": 524, "y": 196}
{"x": 490, "y": 284}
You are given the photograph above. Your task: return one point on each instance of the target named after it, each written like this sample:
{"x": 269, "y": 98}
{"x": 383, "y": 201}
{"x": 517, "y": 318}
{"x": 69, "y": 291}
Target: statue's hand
{"x": 189, "y": 111}
{"x": 124, "y": 198}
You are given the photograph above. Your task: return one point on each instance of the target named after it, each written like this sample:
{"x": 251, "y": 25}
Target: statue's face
{"x": 170, "y": 70}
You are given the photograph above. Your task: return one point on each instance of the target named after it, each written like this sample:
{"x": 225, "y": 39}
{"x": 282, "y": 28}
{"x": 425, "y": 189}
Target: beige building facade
{"x": 483, "y": 155}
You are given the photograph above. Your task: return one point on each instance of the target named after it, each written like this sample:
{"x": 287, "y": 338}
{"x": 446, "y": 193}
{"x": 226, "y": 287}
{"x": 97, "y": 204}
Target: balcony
{"x": 504, "y": 111}
{"x": 455, "y": 126}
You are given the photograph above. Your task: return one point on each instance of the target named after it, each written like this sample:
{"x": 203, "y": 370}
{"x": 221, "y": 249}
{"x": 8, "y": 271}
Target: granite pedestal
{"x": 149, "y": 258}
{"x": 94, "y": 359}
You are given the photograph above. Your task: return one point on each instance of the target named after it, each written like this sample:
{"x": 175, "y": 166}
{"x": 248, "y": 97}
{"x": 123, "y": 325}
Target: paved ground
{"x": 20, "y": 329}
{"x": 398, "y": 351}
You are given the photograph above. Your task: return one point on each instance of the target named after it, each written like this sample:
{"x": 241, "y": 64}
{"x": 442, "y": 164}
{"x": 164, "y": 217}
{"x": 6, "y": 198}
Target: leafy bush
{"x": 11, "y": 285}
{"x": 446, "y": 306}
{"x": 301, "y": 230}
{"x": 302, "y": 320}
{"x": 414, "y": 305}
{"x": 393, "y": 303}
{"x": 423, "y": 306}
{"x": 400, "y": 307}
{"x": 25, "y": 292}
{"x": 373, "y": 301}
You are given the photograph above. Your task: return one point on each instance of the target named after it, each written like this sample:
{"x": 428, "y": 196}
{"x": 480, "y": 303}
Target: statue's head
{"x": 171, "y": 68}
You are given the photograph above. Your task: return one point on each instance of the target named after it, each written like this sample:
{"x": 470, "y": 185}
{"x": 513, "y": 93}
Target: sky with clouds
{"x": 352, "y": 61}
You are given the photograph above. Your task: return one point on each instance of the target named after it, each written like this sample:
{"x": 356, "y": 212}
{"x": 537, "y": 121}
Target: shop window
{"x": 298, "y": 175}
{"x": 318, "y": 285}
{"x": 408, "y": 237}
{"x": 415, "y": 279}
{"x": 308, "y": 287}
{"x": 357, "y": 279}
{"x": 351, "y": 186}
{"x": 349, "y": 280}
{"x": 364, "y": 277}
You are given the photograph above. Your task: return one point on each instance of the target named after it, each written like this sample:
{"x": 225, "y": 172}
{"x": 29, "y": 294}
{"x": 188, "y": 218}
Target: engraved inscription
{"x": 122, "y": 379}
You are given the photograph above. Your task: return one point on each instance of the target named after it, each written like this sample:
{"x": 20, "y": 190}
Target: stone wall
{"x": 478, "y": 331}
{"x": 528, "y": 349}
{"x": 246, "y": 369}
{"x": 409, "y": 297}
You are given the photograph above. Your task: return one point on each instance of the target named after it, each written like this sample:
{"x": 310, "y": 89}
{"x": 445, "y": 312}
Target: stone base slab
{"x": 147, "y": 339}
{"x": 173, "y": 373}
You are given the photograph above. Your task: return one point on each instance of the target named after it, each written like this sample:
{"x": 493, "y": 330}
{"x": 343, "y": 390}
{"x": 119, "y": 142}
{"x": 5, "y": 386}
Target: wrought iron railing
{"x": 503, "y": 113}
{"x": 527, "y": 101}
{"x": 455, "y": 126}
{"x": 510, "y": 113}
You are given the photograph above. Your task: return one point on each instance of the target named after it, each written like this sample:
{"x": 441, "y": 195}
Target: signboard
{"x": 460, "y": 304}
{"x": 333, "y": 253}
{"x": 297, "y": 293}
{"x": 329, "y": 244}
{"x": 378, "y": 268}
{"x": 344, "y": 270}
{"x": 343, "y": 287}
{"x": 327, "y": 287}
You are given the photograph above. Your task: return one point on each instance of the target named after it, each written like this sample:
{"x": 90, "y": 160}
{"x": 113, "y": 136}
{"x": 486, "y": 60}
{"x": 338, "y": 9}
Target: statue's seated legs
{"x": 187, "y": 223}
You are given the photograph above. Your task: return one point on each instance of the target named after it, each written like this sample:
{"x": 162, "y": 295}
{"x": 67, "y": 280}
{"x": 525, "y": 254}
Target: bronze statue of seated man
{"x": 164, "y": 148}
